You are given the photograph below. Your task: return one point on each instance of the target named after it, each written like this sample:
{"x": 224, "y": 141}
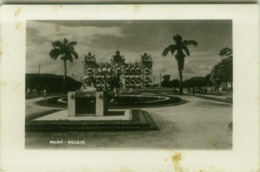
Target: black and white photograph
{"x": 149, "y": 84}
{"x": 133, "y": 87}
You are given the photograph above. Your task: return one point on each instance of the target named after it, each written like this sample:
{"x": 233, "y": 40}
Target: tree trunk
{"x": 65, "y": 76}
{"x": 180, "y": 73}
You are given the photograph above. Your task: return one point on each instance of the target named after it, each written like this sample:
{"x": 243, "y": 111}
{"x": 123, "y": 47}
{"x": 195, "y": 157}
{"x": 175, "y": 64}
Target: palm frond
{"x": 65, "y": 42}
{"x": 69, "y": 57}
{"x": 186, "y": 50}
{"x": 190, "y": 42}
{"x": 171, "y": 48}
{"x": 64, "y": 49}
{"x": 72, "y": 44}
{"x": 177, "y": 38}
{"x": 57, "y": 44}
{"x": 55, "y": 53}
{"x": 75, "y": 54}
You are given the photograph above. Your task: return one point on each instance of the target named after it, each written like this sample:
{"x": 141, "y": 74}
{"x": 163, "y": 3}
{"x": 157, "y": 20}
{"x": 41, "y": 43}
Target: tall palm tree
{"x": 65, "y": 50}
{"x": 178, "y": 50}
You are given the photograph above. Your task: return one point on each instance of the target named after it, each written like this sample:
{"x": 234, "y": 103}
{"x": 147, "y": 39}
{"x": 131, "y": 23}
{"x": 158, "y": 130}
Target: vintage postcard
{"x": 131, "y": 87}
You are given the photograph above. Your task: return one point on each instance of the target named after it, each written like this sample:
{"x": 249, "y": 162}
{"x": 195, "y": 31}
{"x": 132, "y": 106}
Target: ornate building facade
{"x": 132, "y": 75}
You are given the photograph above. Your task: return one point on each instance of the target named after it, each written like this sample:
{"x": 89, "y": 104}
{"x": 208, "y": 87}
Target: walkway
{"x": 32, "y": 109}
{"x": 223, "y": 98}
{"x": 198, "y": 124}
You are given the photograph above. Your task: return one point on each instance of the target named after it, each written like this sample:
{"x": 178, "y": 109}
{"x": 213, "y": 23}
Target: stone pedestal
{"x": 87, "y": 103}
{"x": 71, "y": 104}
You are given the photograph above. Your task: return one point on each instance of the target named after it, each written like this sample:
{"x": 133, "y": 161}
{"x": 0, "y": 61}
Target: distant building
{"x": 132, "y": 75}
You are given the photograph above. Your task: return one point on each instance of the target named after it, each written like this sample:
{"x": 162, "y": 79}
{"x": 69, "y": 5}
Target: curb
{"x": 215, "y": 99}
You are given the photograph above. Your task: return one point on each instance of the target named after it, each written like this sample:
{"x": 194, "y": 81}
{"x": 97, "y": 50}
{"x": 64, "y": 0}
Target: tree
{"x": 169, "y": 83}
{"x": 178, "y": 50}
{"x": 207, "y": 79}
{"x": 166, "y": 81}
{"x": 175, "y": 83}
{"x": 65, "y": 50}
{"x": 195, "y": 82}
{"x": 223, "y": 71}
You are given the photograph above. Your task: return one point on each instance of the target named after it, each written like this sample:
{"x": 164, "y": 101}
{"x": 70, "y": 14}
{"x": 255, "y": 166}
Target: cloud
{"x": 40, "y": 35}
{"x": 132, "y": 38}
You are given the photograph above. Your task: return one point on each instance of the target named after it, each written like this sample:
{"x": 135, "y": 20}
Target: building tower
{"x": 89, "y": 66}
{"x": 147, "y": 66}
{"x": 133, "y": 75}
{"x": 118, "y": 67}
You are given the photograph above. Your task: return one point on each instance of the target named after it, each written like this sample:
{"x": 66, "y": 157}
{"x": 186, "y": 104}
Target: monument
{"x": 87, "y": 101}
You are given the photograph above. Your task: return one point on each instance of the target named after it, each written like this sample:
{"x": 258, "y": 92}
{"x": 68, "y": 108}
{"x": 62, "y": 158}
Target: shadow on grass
{"x": 51, "y": 102}
{"x": 41, "y": 114}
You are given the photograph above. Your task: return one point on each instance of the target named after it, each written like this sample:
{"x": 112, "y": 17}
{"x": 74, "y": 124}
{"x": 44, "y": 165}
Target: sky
{"x": 132, "y": 38}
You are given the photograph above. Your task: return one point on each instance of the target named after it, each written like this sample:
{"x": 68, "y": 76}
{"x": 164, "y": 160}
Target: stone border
{"x": 141, "y": 121}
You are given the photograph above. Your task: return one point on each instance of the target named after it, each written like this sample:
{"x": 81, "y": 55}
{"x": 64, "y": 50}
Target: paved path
{"x": 197, "y": 124}
{"x": 223, "y": 98}
{"x": 32, "y": 108}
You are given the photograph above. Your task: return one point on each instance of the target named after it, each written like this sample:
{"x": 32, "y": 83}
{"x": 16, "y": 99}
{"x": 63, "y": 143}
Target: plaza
{"x": 157, "y": 111}
{"x": 197, "y": 124}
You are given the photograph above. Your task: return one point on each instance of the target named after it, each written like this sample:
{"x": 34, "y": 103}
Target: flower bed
{"x": 136, "y": 124}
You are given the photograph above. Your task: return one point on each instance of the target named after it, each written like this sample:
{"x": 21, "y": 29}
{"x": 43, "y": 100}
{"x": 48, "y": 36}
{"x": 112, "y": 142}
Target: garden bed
{"x": 140, "y": 121}
{"x": 143, "y": 101}
{"x": 122, "y": 101}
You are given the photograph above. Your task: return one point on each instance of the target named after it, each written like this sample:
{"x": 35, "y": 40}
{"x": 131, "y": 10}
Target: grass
{"x": 127, "y": 102}
{"x": 41, "y": 114}
{"x": 32, "y": 96}
{"x": 51, "y": 102}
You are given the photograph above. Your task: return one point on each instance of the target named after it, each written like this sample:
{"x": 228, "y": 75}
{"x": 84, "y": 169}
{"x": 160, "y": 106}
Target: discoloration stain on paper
{"x": 57, "y": 7}
{"x": 17, "y": 11}
{"x": 2, "y": 83}
{"x": 15, "y": 87}
{"x": 176, "y": 158}
{"x": 18, "y": 25}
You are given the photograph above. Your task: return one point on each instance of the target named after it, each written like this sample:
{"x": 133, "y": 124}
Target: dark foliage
{"x": 129, "y": 101}
{"x": 180, "y": 50}
{"x": 195, "y": 82}
{"x": 167, "y": 83}
{"x": 51, "y": 82}
{"x": 66, "y": 52}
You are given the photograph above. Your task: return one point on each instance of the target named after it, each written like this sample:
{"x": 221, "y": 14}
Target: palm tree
{"x": 177, "y": 50}
{"x": 65, "y": 50}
